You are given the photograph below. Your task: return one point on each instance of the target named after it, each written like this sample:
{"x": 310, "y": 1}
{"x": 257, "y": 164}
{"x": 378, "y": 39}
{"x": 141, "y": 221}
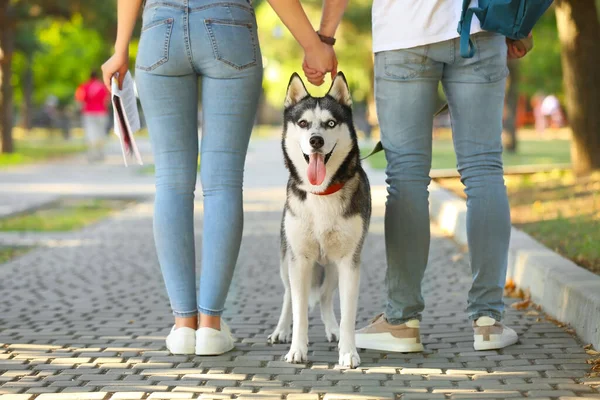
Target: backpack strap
{"x": 467, "y": 47}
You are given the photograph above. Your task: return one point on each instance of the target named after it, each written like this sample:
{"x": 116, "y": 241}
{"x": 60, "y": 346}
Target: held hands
{"x": 118, "y": 63}
{"x": 519, "y": 48}
{"x": 318, "y": 61}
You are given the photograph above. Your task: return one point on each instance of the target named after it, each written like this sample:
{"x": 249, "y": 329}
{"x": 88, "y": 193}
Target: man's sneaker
{"x": 381, "y": 335}
{"x": 181, "y": 340}
{"x": 211, "y": 342}
{"x": 490, "y": 334}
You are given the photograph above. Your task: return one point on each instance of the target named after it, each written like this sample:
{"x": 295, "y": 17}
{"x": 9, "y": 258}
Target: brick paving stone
{"x": 302, "y": 396}
{"x": 311, "y": 383}
{"x": 574, "y": 387}
{"x": 15, "y": 396}
{"x": 72, "y": 396}
{"x": 170, "y": 395}
{"x": 500, "y": 395}
{"x": 552, "y": 393}
{"x": 127, "y": 396}
{"x": 97, "y": 328}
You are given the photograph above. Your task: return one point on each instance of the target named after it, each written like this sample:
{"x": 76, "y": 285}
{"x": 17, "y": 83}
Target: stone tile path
{"x": 85, "y": 315}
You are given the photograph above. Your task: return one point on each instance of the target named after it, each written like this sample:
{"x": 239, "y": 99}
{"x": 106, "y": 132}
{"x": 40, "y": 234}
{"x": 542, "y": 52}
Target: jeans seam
{"x": 208, "y": 311}
{"x": 184, "y": 314}
{"x": 164, "y": 4}
{"x": 201, "y": 8}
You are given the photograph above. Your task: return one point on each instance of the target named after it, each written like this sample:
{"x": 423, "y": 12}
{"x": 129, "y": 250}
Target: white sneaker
{"x": 181, "y": 340}
{"x": 490, "y": 334}
{"x": 211, "y": 342}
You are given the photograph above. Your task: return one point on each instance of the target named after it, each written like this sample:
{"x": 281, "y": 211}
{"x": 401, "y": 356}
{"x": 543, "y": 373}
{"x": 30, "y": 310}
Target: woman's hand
{"x": 318, "y": 61}
{"x": 118, "y": 63}
{"x": 519, "y": 48}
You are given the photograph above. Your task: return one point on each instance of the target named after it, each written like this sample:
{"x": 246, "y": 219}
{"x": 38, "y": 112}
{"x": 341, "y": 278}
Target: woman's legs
{"x": 170, "y": 105}
{"x": 229, "y": 109}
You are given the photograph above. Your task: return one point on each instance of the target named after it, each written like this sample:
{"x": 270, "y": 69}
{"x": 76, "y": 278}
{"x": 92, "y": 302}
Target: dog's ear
{"x": 339, "y": 90}
{"x": 296, "y": 91}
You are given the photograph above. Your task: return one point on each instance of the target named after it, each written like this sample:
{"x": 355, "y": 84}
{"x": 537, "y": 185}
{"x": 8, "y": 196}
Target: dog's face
{"x": 318, "y": 133}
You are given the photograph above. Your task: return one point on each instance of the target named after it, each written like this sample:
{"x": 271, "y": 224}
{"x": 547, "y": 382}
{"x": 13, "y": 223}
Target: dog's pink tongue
{"x": 316, "y": 169}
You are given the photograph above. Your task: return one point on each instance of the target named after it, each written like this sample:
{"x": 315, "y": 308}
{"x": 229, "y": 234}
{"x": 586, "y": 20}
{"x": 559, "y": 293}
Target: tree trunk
{"x": 7, "y": 36}
{"x": 512, "y": 100}
{"x": 27, "y": 93}
{"x": 579, "y": 34}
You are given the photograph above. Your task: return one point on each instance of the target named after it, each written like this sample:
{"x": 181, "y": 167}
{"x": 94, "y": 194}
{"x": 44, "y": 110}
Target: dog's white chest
{"x": 319, "y": 224}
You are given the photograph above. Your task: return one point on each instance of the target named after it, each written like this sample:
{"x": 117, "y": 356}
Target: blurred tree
{"x": 541, "y": 70}
{"x": 283, "y": 56}
{"x": 15, "y": 13}
{"x": 26, "y": 44}
{"x": 579, "y": 34}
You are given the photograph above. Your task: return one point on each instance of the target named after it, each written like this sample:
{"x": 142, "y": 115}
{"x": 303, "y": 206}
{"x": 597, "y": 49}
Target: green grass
{"x": 62, "y": 216}
{"x": 530, "y": 152}
{"x": 29, "y": 151}
{"x": 557, "y": 209}
{"x": 8, "y": 253}
{"x": 577, "y": 238}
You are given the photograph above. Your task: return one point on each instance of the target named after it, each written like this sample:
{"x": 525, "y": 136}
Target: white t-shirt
{"x": 402, "y": 24}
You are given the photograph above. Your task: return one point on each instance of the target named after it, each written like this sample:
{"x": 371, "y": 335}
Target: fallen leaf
{"x": 510, "y": 284}
{"x": 593, "y": 352}
{"x": 532, "y": 313}
{"x": 521, "y": 305}
{"x": 587, "y": 346}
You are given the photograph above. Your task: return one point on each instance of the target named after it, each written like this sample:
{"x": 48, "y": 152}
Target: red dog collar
{"x": 331, "y": 189}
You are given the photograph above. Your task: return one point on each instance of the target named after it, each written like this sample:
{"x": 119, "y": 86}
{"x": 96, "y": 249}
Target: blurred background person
{"x": 94, "y": 97}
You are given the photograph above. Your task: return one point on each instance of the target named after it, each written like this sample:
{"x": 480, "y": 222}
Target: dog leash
{"x": 378, "y": 147}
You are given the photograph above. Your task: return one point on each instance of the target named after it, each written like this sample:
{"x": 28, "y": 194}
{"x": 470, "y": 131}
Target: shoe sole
{"x": 207, "y": 352}
{"x": 182, "y": 349}
{"x": 388, "y": 345}
{"x": 480, "y": 345}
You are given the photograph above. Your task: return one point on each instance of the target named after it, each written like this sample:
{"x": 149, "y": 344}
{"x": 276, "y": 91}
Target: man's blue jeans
{"x": 406, "y": 87}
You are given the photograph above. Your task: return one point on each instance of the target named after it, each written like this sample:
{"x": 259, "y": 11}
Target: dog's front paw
{"x": 280, "y": 335}
{"x": 332, "y": 333}
{"x": 349, "y": 359}
{"x": 297, "y": 354}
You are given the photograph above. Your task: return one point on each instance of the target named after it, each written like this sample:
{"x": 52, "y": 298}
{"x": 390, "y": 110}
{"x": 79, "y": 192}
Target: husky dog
{"x": 325, "y": 219}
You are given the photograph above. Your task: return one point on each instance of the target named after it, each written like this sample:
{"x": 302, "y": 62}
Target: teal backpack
{"x": 512, "y": 18}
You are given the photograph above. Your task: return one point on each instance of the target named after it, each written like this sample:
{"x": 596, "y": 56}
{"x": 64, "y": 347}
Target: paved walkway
{"x": 85, "y": 315}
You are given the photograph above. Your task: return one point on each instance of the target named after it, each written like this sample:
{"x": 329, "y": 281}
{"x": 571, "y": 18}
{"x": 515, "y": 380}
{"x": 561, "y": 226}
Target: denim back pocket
{"x": 491, "y": 56}
{"x": 153, "y": 49}
{"x": 405, "y": 63}
{"x": 233, "y": 42}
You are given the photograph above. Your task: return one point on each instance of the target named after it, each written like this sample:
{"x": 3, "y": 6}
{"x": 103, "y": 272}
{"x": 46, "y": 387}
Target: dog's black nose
{"x": 316, "y": 142}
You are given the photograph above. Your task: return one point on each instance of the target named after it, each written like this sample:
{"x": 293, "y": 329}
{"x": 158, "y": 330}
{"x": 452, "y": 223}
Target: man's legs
{"x": 406, "y": 83}
{"x": 475, "y": 90}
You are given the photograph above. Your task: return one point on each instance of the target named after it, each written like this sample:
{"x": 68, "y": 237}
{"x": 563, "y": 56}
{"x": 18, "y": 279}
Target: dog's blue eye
{"x": 302, "y": 124}
{"x": 331, "y": 123}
